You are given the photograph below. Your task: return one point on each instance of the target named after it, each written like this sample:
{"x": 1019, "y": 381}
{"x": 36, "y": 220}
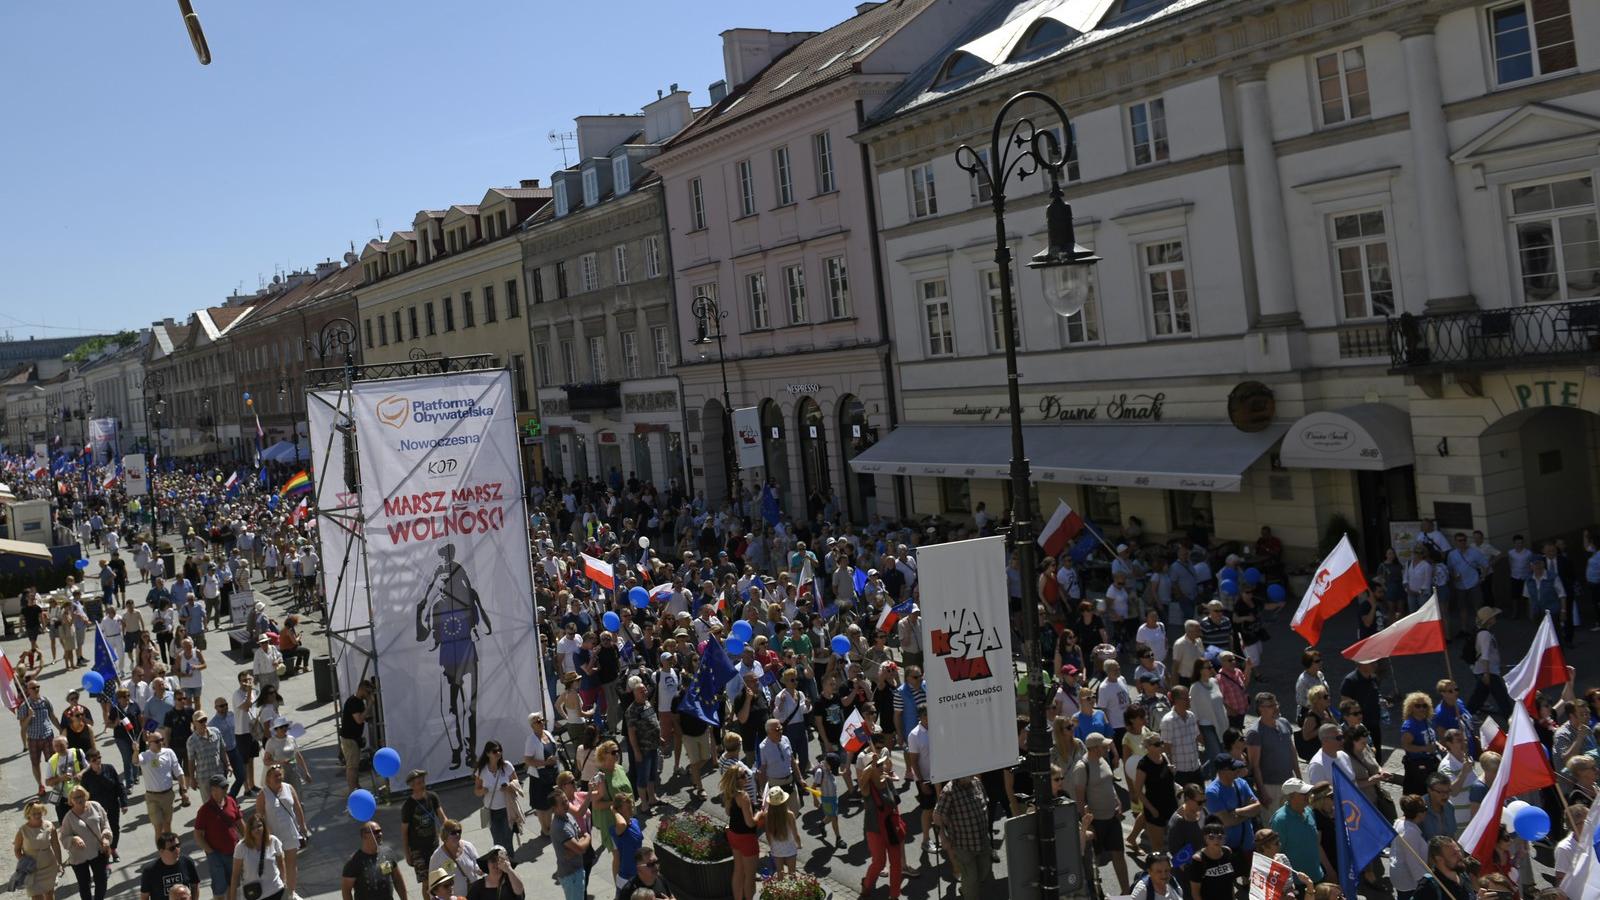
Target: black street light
{"x": 711, "y": 316}
{"x": 153, "y": 382}
{"x": 1065, "y": 265}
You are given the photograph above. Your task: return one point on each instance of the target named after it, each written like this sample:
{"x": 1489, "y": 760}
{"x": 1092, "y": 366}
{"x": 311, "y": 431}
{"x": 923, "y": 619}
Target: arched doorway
{"x": 775, "y": 452}
{"x": 813, "y": 455}
{"x": 713, "y": 452}
{"x": 1551, "y": 452}
{"x": 861, "y": 491}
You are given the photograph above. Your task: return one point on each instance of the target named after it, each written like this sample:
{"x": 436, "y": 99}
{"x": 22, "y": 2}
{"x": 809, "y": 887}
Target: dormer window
{"x": 591, "y": 186}
{"x": 1046, "y": 35}
{"x": 960, "y": 65}
{"x": 561, "y": 197}
{"x": 621, "y": 181}
{"x": 454, "y": 247}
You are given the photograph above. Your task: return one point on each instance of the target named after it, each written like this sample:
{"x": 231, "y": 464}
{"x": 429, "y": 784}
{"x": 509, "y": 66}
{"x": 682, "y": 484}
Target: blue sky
{"x": 138, "y": 184}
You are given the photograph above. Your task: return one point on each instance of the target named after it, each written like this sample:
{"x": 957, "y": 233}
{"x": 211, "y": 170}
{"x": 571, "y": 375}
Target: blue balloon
{"x": 611, "y": 621}
{"x": 362, "y": 805}
{"x": 735, "y": 644}
{"x": 82, "y": 564}
{"x": 247, "y": 395}
{"x": 386, "y": 762}
{"x": 1531, "y": 823}
{"x": 93, "y": 682}
{"x": 742, "y": 630}
{"x": 1276, "y": 593}
{"x": 1252, "y": 576}
{"x": 840, "y": 645}
{"x": 639, "y": 596}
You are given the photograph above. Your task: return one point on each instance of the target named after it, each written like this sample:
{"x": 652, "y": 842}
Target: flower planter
{"x": 693, "y": 879}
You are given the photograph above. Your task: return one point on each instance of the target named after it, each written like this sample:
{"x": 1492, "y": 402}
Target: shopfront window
{"x": 641, "y": 457}
{"x": 1182, "y": 506}
{"x": 955, "y": 496}
{"x": 1103, "y": 504}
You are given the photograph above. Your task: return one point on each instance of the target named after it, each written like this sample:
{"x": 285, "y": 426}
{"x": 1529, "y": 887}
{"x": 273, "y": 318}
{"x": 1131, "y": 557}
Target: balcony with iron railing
{"x": 1493, "y": 338}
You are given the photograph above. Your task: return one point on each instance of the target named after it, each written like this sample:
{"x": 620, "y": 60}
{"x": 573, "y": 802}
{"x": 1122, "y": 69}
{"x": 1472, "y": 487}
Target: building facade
{"x": 197, "y": 373}
{"x": 1350, "y": 267}
{"x": 598, "y": 267}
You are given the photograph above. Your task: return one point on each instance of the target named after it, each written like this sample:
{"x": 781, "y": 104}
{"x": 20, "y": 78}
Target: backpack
{"x": 1469, "y": 649}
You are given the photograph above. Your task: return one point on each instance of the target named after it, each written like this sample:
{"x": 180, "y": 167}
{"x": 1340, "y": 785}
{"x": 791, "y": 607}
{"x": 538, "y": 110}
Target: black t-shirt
{"x": 1216, "y": 877}
{"x": 32, "y": 616}
{"x": 607, "y": 664}
{"x": 894, "y": 582}
{"x": 349, "y": 728}
{"x": 660, "y": 888}
{"x": 832, "y": 713}
{"x": 373, "y": 874}
{"x": 423, "y": 818}
{"x": 691, "y": 725}
{"x": 181, "y": 723}
{"x": 158, "y": 878}
{"x": 480, "y": 890}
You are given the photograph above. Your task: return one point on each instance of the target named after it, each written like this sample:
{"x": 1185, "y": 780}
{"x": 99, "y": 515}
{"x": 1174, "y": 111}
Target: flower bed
{"x": 695, "y": 857}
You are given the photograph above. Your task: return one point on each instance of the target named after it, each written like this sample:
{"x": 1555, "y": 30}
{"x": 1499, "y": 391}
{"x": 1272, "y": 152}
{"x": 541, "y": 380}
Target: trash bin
{"x": 322, "y": 677}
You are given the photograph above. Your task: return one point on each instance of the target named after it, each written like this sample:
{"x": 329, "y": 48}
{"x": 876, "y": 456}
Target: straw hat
{"x": 777, "y": 796}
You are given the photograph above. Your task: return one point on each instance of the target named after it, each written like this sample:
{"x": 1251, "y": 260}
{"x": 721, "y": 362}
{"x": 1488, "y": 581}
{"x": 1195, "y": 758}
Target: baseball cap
{"x": 1224, "y": 761}
{"x": 1069, "y": 670}
{"x": 1096, "y": 740}
{"x": 1296, "y": 786}
{"x": 218, "y": 781}
{"x": 1147, "y": 678}
{"x": 280, "y": 722}
{"x": 666, "y": 657}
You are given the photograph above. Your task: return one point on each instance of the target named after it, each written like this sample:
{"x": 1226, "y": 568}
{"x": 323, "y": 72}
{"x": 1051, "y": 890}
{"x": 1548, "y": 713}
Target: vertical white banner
{"x": 747, "y": 437}
{"x": 966, "y": 640}
{"x": 102, "y": 439}
{"x": 339, "y": 541}
{"x": 135, "y": 475}
{"x": 446, "y": 531}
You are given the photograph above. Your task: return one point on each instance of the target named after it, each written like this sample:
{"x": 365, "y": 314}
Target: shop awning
{"x": 199, "y": 449}
{"x": 27, "y": 549}
{"x": 1368, "y": 437}
{"x": 1170, "y": 455}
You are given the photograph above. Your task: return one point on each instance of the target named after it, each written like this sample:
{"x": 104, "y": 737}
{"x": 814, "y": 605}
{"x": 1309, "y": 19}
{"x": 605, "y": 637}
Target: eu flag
{"x": 716, "y": 670}
{"x": 105, "y": 661}
{"x": 1365, "y": 833}
{"x": 1086, "y": 542}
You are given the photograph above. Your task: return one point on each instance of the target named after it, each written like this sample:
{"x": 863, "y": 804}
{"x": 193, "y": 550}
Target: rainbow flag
{"x": 299, "y": 484}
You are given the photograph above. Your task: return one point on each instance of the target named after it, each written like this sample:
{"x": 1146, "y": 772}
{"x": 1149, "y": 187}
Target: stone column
{"x": 641, "y": 341}
{"x": 1269, "y": 230}
{"x": 1438, "y": 212}
{"x": 580, "y": 349}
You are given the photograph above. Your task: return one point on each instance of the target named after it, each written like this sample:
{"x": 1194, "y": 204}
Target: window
{"x": 449, "y": 314}
{"x": 561, "y": 196}
{"x": 513, "y": 304}
{"x": 569, "y": 363}
{"x": 838, "y": 287}
{"x": 1342, "y": 85}
{"x": 960, "y": 65}
{"x": 697, "y": 205}
{"x": 621, "y": 181}
{"x": 597, "y": 358}
{"x": 1044, "y": 36}
{"x": 702, "y": 326}
{"x": 1084, "y": 327}
{"x": 755, "y": 288}
{"x": 1167, "y": 280}
{"x": 782, "y": 174}
{"x": 541, "y": 358}
{"x": 469, "y": 318}
{"x": 1147, "y": 126}
{"x": 1361, "y": 249}
{"x": 794, "y": 287}
{"x": 747, "y": 189}
{"x": 939, "y": 326}
{"x": 982, "y": 184}
{"x": 454, "y": 246}
{"x": 990, "y": 281}
{"x": 413, "y": 324}
{"x": 1186, "y": 507}
{"x": 501, "y": 217}
{"x": 433, "y": 326}
{"x": 383, "y": 331}
{"x": 490, "y": 314}
{"x": 924, "y": 196}
{"x": 589, "y": 269}
{"x": 652, "y": 256}
{"x": 519, "y": 375}
{"x": 955, "y": 495}
{"x": 619, "y": 255}
{"x": 822, "y": 150}
{"x": 1102, "y": 504}
{"x": 663, "y": 347}
{"x": 536, "y": 278}
{"x": 1070, "y": 171}
{"x": 591, "y": 186}
{"x": 1558, "y": 240}
{"x": 1531, "y": 38}
{"x": 561, "y": 279}
{"x": 367, "y": 327}
{"x": 630, "y": 354}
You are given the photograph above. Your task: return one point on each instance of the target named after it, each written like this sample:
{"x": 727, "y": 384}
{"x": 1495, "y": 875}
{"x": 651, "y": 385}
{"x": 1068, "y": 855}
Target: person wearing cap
{"x": 217, "y": 830}
{"x": 1486, "y": 668}
{"x": 421, "y": 819}
{"x": 499, "y": 880}
{"x": 266, "y": 662}
{"x": 1093, "y": 785}
{"x": 1230, "y": 799}
{"x": 1064, "y": 705}
{"x": 1296, "y": 829}
{"x": 668, "y": 685}
{"x": 205, "y": 753}
{"x": 282, "y": 749}
{"x": 439, "y": 884}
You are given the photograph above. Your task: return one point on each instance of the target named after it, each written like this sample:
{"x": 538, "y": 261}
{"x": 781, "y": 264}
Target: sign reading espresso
{"x": 1051, "y": 408}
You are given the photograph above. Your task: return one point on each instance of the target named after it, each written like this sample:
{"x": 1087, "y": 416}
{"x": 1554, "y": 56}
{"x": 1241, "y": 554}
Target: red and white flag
{"x": 1523, "y": 768}
{"x": 661, "y": 593}
{"x": 854, "y": 733}
{"x": 1544, "y": 666}
{"x": 1420, "y": 632}
{"x": 8, "y": 683}
{"x": 1060, "y": 530}
{"x": 1490, "y": 737}
{"x": 1270, "y": 879}
{"x": 109, "y": 482}
{"x": 599, "y": 571}
{"x": 298, "y": 513}
{"x": 1337, "y": 582}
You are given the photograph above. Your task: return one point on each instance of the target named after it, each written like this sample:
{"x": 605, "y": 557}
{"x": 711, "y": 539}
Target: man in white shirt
{"x": 1433, "y": 537}
{"x": 917, "y": 761}
{"x": 1520, "y": 559}
{"x": 1187, "y": 650}
{"x": 163, "y": 774}
{"x": 567, "y": 651}
{"x": 1319, "y": 769}
{"x": 1112, "y": 696}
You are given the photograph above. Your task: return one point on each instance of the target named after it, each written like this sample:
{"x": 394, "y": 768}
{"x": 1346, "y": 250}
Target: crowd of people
{"x": 1183, "y": 753}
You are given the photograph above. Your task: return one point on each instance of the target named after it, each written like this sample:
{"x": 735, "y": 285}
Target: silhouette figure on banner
{"x": 449, "y": 613}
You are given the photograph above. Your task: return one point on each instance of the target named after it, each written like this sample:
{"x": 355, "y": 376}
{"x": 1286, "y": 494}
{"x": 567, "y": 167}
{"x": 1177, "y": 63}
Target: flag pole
{"x": 1449, "y": 670}
{"x": 1429, "y": 869}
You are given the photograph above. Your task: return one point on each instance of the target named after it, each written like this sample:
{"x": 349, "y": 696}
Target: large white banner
{"x": 747, "y": 437}
{"x": 966, "y": 638}
{"x": 447, "y": 559}
{"x": 135, "y": 475}
{"x": 102, "y": 439}
{"x": 338, "y": 536}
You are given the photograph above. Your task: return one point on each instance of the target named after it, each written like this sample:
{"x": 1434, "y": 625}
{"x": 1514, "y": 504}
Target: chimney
{"x": 326, "y": 268}
{"x": 870, "y": 4}
{"x": 530, "y": 182}
{"x": 666, "y": 116}
{"x": 718, "y": 90}
{"x": 746, "y": 51}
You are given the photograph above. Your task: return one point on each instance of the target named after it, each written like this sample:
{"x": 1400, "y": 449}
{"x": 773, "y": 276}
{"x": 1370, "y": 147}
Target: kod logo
{"x": 393, "y": 411}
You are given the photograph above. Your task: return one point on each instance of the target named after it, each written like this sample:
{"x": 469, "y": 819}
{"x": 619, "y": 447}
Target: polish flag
{"x": 1420, "y": 632}
{"x": 109, "y": 482}
{"x": 1544, "y": 666}
{"x": 855, "y": 734}
{"x": 1523, "y": 768}
{"x": 40, "y": 471}
{"x": 232, "y": 480}
{"x": 599, "y": 571}
{"x": 1063, "y": 526}
{"x": 8, "y": 683}
{"x": 661, "y": 593}
{"x": 1490, "y": 737}
{"x": 298, "y": 513}
{"x": 893, "y": 614}
{"x": 1337, "y": 582}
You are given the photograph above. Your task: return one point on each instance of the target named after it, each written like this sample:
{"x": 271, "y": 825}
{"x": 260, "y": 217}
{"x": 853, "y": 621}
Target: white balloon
{"x": 644, "y": 542}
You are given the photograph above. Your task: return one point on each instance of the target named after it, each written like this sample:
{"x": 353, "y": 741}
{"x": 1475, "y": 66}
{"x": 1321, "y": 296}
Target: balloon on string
{"x": 362, "y": 806}
{"x": 1252, "y": 576}
{"x": 639, "y": 597}
{"x": 735, "y": 644}
{"x": 247, "y": 395}
{"x": 611, "y": 621}
{"x": 82, "y": 564}
{"x": 1531, "y": 823}
{"x": 644, "y": 542}
{"x": 840, "y": 645}
{"x": 742, "y": 630}
{"x": 386, "y": 762}
{"x": 1276, "y": 593}
{"x": 93, "y": 682}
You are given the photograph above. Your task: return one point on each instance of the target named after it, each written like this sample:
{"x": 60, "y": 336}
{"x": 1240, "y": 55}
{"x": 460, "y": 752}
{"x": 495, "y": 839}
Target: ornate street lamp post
{"x": 153, "y": 382}
{"x": 711, "y": 316}
{"x": 1024, "y": 150}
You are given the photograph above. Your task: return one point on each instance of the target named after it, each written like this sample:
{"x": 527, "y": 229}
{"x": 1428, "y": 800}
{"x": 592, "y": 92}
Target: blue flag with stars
{"x": 1366, "y": 833}
{"x": 105, "y": 661}
{"x": 700, "y": 699}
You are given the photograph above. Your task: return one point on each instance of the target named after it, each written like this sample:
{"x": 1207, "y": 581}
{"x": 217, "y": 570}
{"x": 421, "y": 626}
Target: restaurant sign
{"x": 1120, "y": 407}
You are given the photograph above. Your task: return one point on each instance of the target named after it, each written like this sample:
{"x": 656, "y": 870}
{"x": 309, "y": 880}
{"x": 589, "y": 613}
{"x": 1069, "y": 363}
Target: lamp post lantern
{"x": 1021, "y": 151}
{"x": 711, "y": 316}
